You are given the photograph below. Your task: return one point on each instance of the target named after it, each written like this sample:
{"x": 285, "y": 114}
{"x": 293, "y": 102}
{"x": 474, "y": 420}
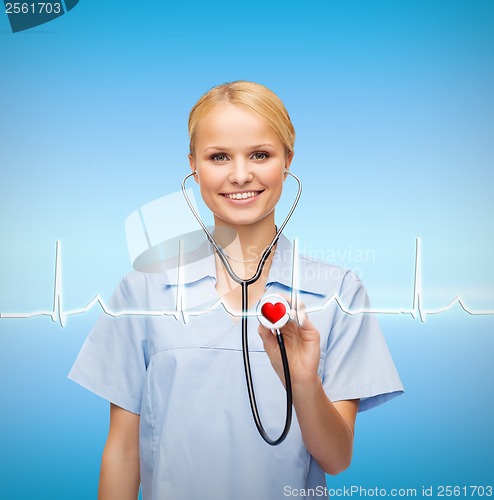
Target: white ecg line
{"x": 417, "y": 311}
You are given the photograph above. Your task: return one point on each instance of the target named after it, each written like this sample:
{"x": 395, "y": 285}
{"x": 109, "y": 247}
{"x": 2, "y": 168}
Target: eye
{"x": 260, "y": 155}
{"x": 219, "y": 157}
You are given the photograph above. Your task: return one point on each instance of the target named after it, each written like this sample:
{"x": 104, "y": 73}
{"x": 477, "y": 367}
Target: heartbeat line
{"x": 417, "y": 311}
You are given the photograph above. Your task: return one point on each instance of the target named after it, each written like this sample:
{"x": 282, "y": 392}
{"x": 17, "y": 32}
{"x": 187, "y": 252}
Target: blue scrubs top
{"x": 186, "y": 381}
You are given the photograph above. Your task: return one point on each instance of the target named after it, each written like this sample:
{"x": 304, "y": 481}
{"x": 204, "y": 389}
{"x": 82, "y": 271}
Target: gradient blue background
{"x": 393, "y": 106}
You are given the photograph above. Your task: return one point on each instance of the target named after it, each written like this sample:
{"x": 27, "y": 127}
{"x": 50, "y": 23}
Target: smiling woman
{"x": 180, "y": 421}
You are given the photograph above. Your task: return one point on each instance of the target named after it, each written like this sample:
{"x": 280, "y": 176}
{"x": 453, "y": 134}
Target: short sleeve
{"x": 112, "y": 362}
{"x": 358, "y": 364}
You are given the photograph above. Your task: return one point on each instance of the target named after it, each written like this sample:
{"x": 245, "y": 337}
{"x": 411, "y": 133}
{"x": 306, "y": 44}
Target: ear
{"x": 192, "y": 163}
{"x": 288, "y": 162}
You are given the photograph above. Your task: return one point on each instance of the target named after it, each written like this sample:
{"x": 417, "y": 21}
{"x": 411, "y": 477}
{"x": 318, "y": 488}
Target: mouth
{"x": 241, "y": 195}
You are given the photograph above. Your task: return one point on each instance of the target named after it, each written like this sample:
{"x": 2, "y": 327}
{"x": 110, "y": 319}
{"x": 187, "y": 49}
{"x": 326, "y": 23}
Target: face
{"x": 240, "y": 163}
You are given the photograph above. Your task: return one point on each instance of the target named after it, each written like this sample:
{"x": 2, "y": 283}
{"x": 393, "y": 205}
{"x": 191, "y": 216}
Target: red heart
{"x": 273, "y": 312}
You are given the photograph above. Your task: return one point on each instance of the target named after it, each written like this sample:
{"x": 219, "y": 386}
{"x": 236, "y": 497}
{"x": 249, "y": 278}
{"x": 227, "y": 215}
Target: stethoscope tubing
{"x": 245, "y": 307}
{"x": 250, "y": 384}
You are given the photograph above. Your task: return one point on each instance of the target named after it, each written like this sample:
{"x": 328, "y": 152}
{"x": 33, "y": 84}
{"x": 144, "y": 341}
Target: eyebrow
{"x": 257, "y": 146}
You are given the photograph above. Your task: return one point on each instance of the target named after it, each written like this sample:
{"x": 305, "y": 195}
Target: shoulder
{"x": 324, "y": 278}
{"x": 136, "y": 287}
{"x": 298, "y": 270}
{"x": 138, "y": 280}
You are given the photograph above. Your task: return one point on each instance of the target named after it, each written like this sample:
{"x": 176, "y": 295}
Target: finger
{"x": 297, "y": 314}
{"x": 306, "y": 324}
{"x": 268, "y": 339}
{"x": 305, "y": 331}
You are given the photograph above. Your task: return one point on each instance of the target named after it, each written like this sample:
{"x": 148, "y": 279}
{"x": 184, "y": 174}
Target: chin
{"x": 242, "y": 220}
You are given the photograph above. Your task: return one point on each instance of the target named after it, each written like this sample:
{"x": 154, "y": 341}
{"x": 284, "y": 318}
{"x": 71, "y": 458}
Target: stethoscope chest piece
{"x": 273, "y": 311}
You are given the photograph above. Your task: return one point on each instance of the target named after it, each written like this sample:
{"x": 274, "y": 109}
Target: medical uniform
{"x": 186, "y": 381}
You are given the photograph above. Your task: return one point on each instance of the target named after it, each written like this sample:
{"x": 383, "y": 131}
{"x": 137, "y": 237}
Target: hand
{"x": 302, "y": 344}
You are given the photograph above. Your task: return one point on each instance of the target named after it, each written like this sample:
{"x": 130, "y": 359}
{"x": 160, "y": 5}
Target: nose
{"x": 241, "y": 172}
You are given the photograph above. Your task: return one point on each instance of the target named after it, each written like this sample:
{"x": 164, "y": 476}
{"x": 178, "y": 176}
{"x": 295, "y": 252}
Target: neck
{"x": 245, "y": 242}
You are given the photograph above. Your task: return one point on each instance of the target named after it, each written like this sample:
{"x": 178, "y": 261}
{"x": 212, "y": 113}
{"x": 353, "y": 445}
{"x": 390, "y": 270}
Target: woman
{"x": 180, "y": 419}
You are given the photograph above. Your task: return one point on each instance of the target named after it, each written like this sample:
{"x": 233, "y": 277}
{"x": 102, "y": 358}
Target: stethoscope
{"x": 272, "y": 313}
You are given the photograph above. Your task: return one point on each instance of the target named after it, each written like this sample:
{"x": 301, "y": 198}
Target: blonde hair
{"x": 252, "y": 96}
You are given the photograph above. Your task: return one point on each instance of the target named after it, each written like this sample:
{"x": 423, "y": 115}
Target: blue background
{"x": 393, "y": 106}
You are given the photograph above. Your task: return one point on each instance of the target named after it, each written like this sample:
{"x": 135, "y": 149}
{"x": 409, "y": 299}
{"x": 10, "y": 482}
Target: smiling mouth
{"x": 241, "y": 196}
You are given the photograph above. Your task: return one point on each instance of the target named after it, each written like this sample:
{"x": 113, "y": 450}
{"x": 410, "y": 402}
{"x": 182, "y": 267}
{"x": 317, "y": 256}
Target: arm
{"x": 327, "y": 428}
{"x": 120, "y": 476}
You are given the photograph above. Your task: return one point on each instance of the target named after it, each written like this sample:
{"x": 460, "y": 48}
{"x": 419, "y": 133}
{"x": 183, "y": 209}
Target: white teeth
{"x": 241, "y": 196}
